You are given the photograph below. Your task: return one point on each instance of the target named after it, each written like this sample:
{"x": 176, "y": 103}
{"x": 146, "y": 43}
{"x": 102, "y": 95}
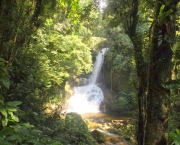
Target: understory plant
{"x": 175, "y": 136}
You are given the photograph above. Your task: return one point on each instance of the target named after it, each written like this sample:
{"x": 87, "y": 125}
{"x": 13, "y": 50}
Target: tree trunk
{"x": 141, "y": 73}
{"x": 159, "y": 71}
{"x": 141, "y": 70}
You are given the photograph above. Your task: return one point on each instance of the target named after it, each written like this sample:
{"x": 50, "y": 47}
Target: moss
{"x": 98, "y": 136}
{"x": 77, "y": 130}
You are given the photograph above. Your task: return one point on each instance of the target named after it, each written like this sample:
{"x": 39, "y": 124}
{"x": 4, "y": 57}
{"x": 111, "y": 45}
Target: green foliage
{"x": 16, "y": 23}
{"x": 24, "y": 133}
{"x": 121, "y": 47}
{"x": 172, "y": 84}
{"x": 129, "y": 100}
{"x": 40, "y": 58}
{"x": 175, "y": 136}
{"x": 119, "y": 56}
{"x": 4, "y": 81}
{"x": 61, "y": 55}
{"x": 92, "y": 23}
{"x": 122, "y": 102}
{"x": 12, "y": 131}
{"x": 163, "y": 15}
{"x": 8, "y": 111}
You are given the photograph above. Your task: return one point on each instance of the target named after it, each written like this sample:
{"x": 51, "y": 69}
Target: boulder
{"x": 98, "y": 136}
{"x": 75, "y": 123}
{"x": 77, "y": 130}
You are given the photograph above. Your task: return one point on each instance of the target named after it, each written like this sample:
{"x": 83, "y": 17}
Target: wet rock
{"x": 98, "y": 136}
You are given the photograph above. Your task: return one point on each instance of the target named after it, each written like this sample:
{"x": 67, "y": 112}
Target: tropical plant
{"x": 175, "y": 136}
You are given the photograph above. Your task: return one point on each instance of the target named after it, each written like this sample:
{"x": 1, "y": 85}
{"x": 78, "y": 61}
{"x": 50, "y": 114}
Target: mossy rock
{"x": 98, "y": 136}
{"x": 74, "y": 122}
{"x": 77, "y": 129}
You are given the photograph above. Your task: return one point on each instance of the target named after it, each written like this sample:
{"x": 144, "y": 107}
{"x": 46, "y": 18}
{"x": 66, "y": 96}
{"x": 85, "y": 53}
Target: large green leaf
{"x": 24, "y": 130}
{"x": 2, "y": 61}
{"x": 6, "y": 131}
{"x": 13, "y": 103}
{"x": 11, "y": 109}
{"x": 20, "y": 113}
{"x": 56, "y": 143}
{"x": 2, "y": 99}
{"x": 34, "y": 141}
{"x": 12, "y": 137}
{"x": 15, "y": 118}
{"x": 28, "y": 125}
{"x": 3, "y": 111}
{"x": 4, "y": 121}
{"x": 175, "y": 136}
{"x": 36, "y": 131}
{"x": 5, "y": 82}
{"x": 178, "y": 132}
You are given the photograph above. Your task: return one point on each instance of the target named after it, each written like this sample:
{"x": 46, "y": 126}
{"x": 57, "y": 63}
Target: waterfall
{"x": 87, "y": 99}
{"x": 97, "y": 66}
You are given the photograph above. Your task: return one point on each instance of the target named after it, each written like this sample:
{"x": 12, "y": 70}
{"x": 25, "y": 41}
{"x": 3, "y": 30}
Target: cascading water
{"x": 87, "y": 99}
{"x": 97, "y": 66}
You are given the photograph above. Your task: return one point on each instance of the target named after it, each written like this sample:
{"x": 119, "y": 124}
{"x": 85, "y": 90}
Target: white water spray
{"x": 87, "y": 99}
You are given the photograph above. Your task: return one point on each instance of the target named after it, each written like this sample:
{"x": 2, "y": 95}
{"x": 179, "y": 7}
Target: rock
{"x": 98, "y": 136}
{"x": 77, "y": 130}
{"x": 75, "y": 123}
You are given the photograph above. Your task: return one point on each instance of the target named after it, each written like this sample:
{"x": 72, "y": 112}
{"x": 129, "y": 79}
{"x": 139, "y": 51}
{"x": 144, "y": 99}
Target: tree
{"x": 128, "y": 19}
{"x": 159, "y": 70}
{"x": 153, "y": 99}
{"x": 18, "y": 20}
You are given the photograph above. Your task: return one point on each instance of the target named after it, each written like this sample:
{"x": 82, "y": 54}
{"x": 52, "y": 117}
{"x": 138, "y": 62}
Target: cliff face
{"x": 118, "y": 84}
{"x": 116, "y": 80}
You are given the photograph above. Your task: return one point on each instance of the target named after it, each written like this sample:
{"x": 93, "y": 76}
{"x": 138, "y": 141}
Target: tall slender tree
{"x": 128, "y": 18}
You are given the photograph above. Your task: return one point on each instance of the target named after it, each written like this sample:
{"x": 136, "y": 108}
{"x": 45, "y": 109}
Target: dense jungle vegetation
{"x": 45, "y": 45}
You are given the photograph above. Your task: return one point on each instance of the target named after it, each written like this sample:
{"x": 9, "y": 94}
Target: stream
{"x": 104, "y": 122}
